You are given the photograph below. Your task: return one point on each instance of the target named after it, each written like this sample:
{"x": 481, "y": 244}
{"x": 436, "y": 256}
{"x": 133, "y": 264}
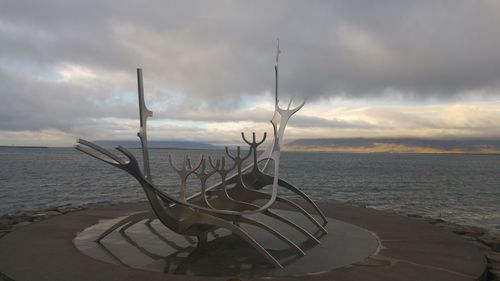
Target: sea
{"x": 459, "y": 188}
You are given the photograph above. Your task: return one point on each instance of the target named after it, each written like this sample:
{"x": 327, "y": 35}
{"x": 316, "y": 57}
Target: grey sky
{"x": 67, "y": 65}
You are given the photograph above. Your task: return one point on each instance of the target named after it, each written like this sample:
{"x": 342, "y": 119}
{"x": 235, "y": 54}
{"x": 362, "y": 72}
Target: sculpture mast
{"x": 144, "y": 113}
{"x": 278, "y": 51}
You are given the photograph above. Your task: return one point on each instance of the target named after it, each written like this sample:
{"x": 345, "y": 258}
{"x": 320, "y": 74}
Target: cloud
{"x": 225, "y": 49}
{"x": 64, "y": 65}
{"x": 30, "y": 103}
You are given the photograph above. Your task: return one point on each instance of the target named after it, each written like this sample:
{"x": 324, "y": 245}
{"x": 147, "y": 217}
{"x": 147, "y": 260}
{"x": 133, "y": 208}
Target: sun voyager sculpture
{"x": 227, "y": 204}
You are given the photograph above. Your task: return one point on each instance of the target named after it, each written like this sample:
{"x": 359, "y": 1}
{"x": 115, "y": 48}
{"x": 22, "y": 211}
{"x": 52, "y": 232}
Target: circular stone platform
{"x": 363, "y": 244}
{"x": 155, "y": 248}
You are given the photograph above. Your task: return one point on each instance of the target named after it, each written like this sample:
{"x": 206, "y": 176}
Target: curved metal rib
{"x": 224, "y": 200}
{"x": 253, "y": 195}
{"x": 294, "y": 189}
{"x": 162, "y": 238}
{"x": 243, "y": 193}
{"x": 304, "y": 212}
{"x": 272, "y": 231}
{"x": 290, "y": 223}
{"x": 203, "y": 177}
{"x": 132, "y": 218}
{"x": 245, "y": 236}
{"x": 265, "y": 179}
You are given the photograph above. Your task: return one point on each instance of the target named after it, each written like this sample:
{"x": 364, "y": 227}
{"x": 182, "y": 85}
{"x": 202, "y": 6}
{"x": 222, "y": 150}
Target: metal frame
{"x": 224, "y": 205}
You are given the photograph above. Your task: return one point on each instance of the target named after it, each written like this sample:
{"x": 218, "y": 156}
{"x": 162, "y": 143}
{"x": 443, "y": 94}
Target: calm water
{"x": 459, "y": 188}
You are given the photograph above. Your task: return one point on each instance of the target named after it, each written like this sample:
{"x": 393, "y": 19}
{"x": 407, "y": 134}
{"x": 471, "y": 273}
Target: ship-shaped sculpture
{"x": 225, "y": 205}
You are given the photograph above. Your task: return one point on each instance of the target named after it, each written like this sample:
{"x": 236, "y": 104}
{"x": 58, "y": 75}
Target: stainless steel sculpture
{"x": 223, "y": 205}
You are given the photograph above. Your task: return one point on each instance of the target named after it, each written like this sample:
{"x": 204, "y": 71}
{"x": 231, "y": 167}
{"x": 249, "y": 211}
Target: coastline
{"x": 487, "y": 241}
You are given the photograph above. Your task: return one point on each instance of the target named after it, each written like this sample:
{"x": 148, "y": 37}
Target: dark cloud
{"x": 225, "y": 48}
{"x": 33, "y": 104}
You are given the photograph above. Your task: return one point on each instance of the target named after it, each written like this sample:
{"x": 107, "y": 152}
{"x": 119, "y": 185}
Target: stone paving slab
{"x": 410, "y": 250}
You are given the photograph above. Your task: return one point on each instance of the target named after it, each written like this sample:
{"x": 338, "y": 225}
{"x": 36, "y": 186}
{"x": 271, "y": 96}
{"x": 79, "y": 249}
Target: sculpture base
{"x": 156, "y": 248}
{"x": 410, "y": 250}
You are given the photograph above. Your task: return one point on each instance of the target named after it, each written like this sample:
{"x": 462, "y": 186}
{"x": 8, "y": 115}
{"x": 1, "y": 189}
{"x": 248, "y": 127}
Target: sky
{"x": 424, "y": 69}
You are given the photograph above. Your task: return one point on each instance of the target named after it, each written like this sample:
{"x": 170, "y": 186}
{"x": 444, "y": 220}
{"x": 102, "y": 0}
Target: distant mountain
{"x": 157, "y": 144}
{"x": 395, "y": 145}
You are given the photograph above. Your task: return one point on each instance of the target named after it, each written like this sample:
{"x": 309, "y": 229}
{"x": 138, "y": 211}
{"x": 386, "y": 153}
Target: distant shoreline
{"x": 386, "y": 152}
{"x": 397, "y": 145}
{"x": 22, "y": 146}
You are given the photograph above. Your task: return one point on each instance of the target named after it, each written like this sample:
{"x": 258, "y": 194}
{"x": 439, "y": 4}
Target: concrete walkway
{"x": 410, "y": 250}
